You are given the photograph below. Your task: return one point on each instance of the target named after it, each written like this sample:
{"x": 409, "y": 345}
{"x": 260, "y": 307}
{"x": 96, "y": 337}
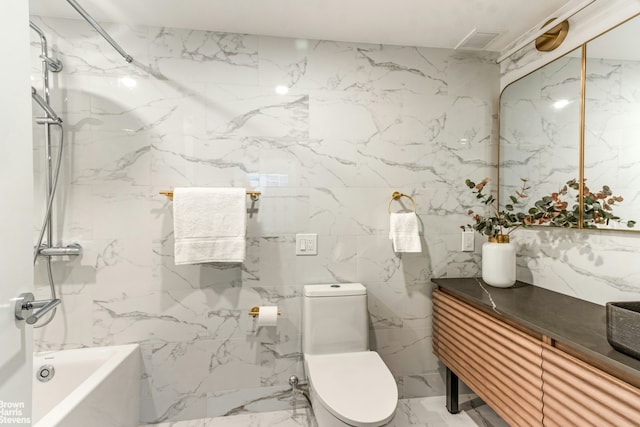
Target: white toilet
{"x": 349, "y": 384}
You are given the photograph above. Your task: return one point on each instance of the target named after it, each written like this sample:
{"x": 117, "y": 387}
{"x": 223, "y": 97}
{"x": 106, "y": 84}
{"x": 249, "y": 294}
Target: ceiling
{"x": 427, "y": 23}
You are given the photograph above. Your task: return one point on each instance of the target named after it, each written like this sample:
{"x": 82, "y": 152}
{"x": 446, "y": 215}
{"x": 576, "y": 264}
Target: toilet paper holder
{"x": 255, "y": 312}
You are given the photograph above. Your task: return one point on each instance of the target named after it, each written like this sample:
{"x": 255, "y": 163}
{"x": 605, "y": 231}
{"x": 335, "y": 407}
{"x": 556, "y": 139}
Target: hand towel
{"x": 404, "y": 232}
{"x": 209, "y": 225}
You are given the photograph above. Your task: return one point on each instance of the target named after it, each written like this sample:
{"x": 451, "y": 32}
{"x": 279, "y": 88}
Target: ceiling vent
{"x": 476, "y": 40}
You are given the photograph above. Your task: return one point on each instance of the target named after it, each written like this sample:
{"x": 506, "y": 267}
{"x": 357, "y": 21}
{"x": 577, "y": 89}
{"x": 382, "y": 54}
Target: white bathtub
{"x": 97, "y": 387}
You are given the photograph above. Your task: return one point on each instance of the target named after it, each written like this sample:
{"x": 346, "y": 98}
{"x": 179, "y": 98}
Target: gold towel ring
{"x": 396, "y": 196}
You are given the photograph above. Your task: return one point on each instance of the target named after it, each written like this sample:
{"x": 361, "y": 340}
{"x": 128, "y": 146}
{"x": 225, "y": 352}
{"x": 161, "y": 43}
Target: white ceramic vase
{"x": 499, "y": 262}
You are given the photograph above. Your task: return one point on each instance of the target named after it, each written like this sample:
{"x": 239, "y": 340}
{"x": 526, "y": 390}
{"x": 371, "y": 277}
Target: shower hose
{"x": 47, "y": 223}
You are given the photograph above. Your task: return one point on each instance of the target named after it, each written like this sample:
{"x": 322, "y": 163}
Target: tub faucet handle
{"x": 26, "y": 303}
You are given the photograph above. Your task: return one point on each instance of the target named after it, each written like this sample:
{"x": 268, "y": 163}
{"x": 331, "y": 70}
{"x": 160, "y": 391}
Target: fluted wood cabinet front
{"x": 499, "y": 363}
{"x": 527, "y": 381}
{"x": 577, "y": 394}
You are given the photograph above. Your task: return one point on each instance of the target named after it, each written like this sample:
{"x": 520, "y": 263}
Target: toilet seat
{"x": 357, "y": 388}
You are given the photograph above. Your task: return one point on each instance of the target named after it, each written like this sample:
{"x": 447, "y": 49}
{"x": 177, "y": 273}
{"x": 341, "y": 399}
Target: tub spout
{"x": 26, "y": 303}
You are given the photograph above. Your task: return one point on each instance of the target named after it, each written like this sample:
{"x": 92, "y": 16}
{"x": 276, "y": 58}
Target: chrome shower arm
{"x": 100, "y": 30}
{"x": 53, "y": 64}
{"x": 43, "y": 39}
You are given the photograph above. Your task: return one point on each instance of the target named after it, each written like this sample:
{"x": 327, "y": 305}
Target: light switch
{"x": 468, "y": 241}
{"x": 306, "y": 244}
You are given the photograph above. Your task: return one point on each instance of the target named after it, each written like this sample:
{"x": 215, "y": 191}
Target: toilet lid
{"x": 356, "y": 387}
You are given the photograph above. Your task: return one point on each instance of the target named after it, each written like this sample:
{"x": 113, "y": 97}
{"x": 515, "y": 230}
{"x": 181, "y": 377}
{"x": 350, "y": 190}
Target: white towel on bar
{"x": 404, "y": 232}
{"x": 209, "y": 225}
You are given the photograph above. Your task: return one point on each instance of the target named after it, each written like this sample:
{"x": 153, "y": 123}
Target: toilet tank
{"x": 335, "y": 318}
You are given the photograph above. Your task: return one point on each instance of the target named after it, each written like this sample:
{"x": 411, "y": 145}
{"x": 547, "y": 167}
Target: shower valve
{"x": 26, "y": 303}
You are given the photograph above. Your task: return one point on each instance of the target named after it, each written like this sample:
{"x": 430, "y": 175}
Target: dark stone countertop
{"x": 577, "y": 324}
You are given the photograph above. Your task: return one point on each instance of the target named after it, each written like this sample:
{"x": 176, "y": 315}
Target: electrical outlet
{"x": 306, "y": 244}
{"x": 468, "y": 241}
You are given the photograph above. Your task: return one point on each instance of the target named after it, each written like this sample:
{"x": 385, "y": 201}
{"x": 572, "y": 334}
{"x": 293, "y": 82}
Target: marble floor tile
{"x": 481, "y": 414}
{"x": 419, "y": 412}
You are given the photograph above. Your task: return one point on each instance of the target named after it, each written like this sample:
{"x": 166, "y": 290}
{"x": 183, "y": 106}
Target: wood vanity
{"x": 537, "y": 357}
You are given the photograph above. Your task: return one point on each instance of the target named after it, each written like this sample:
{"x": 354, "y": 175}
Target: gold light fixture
{"x": 554, "y": 37}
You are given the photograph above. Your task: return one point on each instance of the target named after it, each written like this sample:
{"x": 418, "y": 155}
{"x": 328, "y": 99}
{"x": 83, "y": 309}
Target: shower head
{"x": 46, "y": 107}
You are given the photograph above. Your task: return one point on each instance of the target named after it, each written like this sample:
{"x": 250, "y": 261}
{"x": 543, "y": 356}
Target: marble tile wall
{"x": 199, "y": 108}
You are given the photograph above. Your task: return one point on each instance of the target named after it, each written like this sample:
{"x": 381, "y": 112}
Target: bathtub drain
{"x": 45, "y": 373}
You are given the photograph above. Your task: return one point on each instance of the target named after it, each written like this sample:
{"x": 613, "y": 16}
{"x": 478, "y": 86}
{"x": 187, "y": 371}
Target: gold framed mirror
{"x": 577, "y": 120}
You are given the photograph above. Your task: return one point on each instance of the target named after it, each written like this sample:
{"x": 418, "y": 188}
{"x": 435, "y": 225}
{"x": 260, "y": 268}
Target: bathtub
{"x": 97, "y": 387}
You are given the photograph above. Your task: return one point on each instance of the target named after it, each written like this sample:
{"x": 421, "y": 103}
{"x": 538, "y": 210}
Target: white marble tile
{"x": 240, "y": 405}
{"x": 204, "y": 56}
{"x": 138, "y": 104}
{"x": 277, "y": 254}
{"x": 278, "y": 164}
{"x": 281, "y": 346}
{"x": 400, "y": 68}
{"x": 357, "y": 116}
{"x": 549, "y": 258}
{"x": 482, "y": 83}
{"x": 349, "y": 211}
{"x": 120, "y": 213}
{"x": 404, "y": 350}
{"x": 417, "y": 307}
{"x": 336, "y": 261}
{"x": 377, "y": 262}
{"x": 109, "y": 157}
{"x": 481, "y": 413}
{"x": 384, "y": 302}
{"x": 307, "y": 64}
{"x": 429, "y": 385}
{"x": 174, "y": 315}
{"x": 425, "y": 412}
{"x": 424, "y": 116}
{"x": 190, "y": 370}
{"x": 281, "y": 212}
{"x": 119, "y": 263}
{"x": 74, "y": 215}
{"x": 64, "y": 331}
{"x": 180, "y": 160}
{"x": 180, "y": 409}
{"x": 328, "y": 162}
{"x": 250, "y": 111}
{"x": 430, "y": 411}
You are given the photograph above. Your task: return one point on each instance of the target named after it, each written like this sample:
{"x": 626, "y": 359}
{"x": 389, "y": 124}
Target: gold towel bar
{"x": 255, "y": 312}
{"x": 255, "y": 195}
{"x": 396, "y": 195}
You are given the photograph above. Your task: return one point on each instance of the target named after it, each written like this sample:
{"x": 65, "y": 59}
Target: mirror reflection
{"x": 612, "y": 124}
{"x": 540, "y": 137}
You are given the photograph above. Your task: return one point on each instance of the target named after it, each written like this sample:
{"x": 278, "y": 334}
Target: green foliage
{"x": 501, "y": 221}
{"x": 598, "y": 208}
{"x": 550, "y": 210}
